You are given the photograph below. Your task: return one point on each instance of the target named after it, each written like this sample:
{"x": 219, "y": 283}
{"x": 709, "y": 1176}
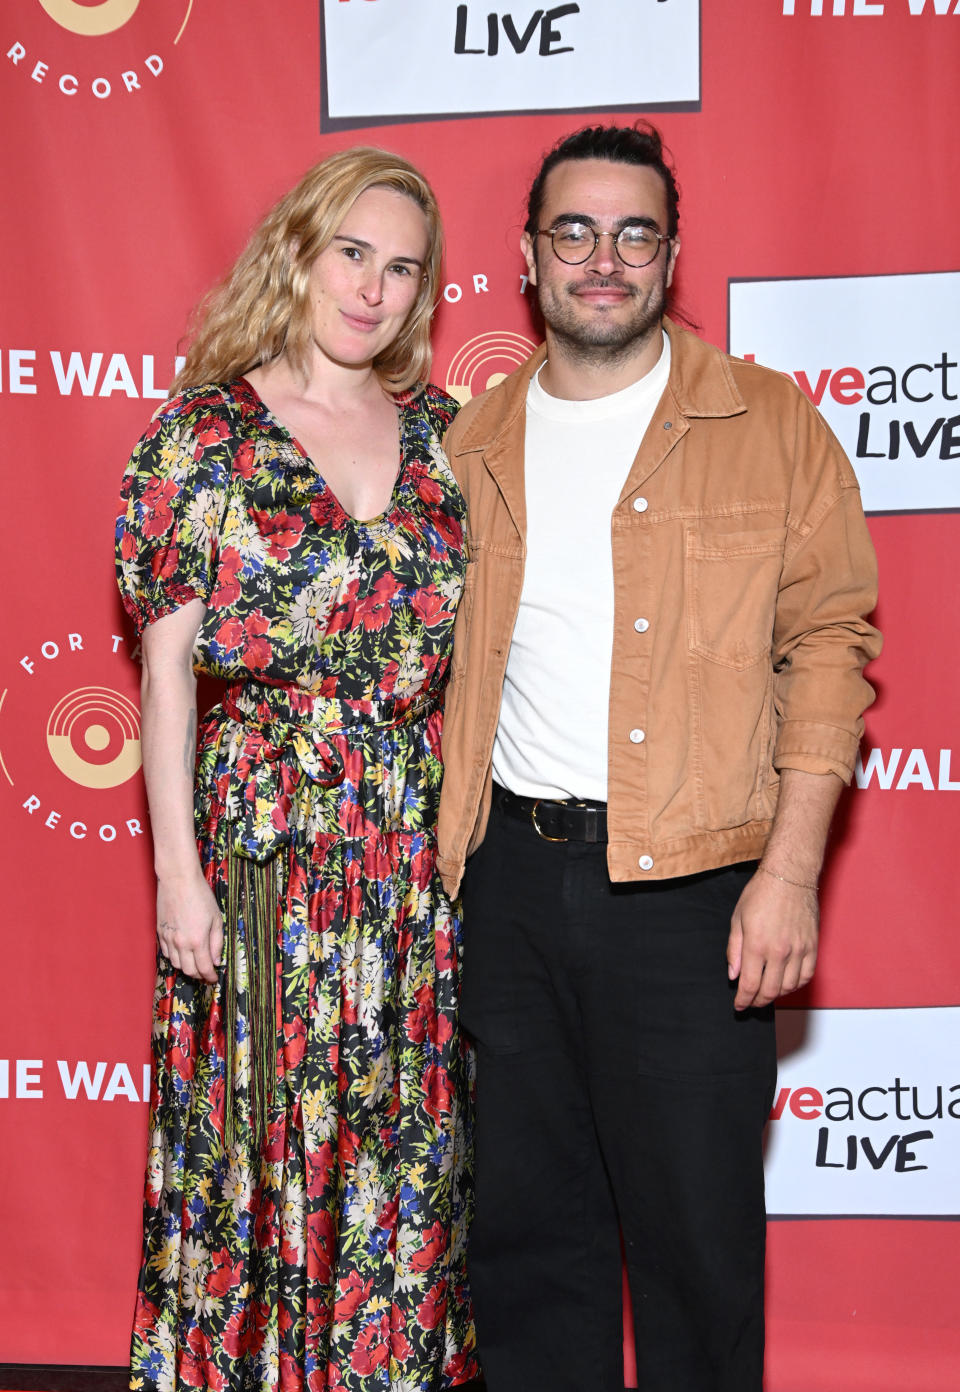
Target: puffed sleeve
{"x": 441, "y": 408}
{"x": 172, "y": 500}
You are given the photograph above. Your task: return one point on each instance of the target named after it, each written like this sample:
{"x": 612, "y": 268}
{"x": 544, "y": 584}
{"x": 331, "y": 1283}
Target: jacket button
{"x": 640, "y": 504}
{"x": 641, "y": 625}
{"x": 637, "y": 736}
{"x": 645, "y": 862}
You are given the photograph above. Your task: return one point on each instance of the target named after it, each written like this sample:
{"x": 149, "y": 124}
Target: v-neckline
{"x": 318, "y": 476}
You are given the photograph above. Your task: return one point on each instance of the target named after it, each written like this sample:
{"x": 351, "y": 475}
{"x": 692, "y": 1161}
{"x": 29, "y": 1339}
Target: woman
{"x": 290, "y": 525}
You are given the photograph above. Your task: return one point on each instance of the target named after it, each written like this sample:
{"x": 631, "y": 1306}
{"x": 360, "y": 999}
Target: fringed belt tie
{"x": 284, "y": 734}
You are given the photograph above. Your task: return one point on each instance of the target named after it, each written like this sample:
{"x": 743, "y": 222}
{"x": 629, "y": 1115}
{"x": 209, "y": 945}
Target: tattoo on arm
{"x": 190, "y": 745}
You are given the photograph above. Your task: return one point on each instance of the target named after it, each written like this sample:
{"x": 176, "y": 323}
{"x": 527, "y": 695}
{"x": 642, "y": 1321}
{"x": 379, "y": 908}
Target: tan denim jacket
{"x": 739, "y": 537}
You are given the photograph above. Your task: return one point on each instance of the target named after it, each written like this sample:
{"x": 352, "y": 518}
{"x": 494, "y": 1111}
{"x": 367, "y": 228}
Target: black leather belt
{"x": 555, "y": 821}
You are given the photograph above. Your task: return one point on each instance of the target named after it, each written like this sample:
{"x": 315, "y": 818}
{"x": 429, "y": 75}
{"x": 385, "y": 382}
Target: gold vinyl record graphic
{"x": 93, "y": 736}
{"x": 484, "y": 361}
{"x": 92, "y": 20}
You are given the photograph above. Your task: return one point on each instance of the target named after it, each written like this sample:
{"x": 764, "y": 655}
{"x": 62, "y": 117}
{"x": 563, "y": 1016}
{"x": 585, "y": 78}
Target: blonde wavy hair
{"x": 262, "y": 309}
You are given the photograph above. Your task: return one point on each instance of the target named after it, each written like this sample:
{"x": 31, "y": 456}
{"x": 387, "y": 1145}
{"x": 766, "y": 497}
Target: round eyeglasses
{"x": 575, "y": 242}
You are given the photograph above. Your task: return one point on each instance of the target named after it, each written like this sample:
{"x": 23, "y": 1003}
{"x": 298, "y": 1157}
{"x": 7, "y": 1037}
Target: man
{"x": 655, "y": 702}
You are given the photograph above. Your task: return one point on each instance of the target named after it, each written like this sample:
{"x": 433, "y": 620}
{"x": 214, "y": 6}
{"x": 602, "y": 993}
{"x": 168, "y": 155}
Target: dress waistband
{"x": 285, "y": 737}
{"x": 260, "y": 705}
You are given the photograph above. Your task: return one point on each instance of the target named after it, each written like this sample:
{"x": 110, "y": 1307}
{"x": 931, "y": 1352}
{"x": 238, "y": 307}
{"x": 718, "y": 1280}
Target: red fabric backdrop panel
{"x": 813, "y": 138}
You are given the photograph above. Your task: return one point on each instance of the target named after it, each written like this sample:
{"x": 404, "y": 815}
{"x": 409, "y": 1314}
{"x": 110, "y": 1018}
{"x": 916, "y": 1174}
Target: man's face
{"x": 601, "y": 307}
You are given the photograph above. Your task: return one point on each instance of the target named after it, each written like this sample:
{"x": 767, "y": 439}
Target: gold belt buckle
{"x": 537, "y": 827}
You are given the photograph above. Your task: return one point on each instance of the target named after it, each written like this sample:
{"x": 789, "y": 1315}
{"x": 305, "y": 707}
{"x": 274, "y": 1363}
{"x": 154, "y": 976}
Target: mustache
{"x": 602, "y": 283}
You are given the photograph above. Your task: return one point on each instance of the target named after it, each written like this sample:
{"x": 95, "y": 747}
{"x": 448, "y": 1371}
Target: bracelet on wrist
{"x": 797, "y": 884}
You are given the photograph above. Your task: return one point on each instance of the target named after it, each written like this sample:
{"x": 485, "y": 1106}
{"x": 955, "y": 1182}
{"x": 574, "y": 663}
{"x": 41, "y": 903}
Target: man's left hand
{"x": 772, "y": 946}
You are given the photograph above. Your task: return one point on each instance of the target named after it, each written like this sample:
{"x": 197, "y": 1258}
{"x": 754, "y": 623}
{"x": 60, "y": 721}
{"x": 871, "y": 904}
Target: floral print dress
{"x": 307, "y": 1183}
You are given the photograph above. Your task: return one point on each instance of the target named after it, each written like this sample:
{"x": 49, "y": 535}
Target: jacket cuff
{"x": 815, "y": 748}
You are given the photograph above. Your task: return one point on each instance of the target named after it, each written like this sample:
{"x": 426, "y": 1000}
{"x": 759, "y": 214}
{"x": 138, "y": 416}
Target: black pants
{"x": 618, "y": 1091}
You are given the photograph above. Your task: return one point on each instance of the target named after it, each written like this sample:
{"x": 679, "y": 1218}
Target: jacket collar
{"x": 700, "y": 380}
{"x": 700, "y": 376}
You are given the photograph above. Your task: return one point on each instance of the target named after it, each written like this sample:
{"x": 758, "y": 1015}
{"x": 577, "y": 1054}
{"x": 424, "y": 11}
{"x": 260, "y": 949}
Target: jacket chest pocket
{"x": 732, "y": 581}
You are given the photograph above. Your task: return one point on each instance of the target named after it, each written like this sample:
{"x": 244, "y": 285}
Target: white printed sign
{"x": 866, "y": 1115}
{"x": 878, "y": 355}
{"x": 389, "y": 59}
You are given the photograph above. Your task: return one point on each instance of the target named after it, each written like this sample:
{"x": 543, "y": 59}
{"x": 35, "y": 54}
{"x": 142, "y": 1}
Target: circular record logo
{"x": 93, "y": 736}
{"x": 95, "y": 51}
{"x": 484, "y": 361}
{"x": 70, "y": 738}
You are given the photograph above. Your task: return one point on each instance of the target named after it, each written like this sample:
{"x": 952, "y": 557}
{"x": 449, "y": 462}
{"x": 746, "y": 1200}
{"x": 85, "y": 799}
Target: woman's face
{"x": 365, "y": 283}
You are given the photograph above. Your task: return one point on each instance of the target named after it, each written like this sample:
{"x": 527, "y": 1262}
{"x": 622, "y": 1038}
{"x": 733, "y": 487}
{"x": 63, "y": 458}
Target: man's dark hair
{"x": 639, "y": 144}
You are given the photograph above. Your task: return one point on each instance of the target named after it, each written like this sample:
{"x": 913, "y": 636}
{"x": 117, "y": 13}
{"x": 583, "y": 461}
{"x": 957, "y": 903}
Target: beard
{"x": 603, "y": 334}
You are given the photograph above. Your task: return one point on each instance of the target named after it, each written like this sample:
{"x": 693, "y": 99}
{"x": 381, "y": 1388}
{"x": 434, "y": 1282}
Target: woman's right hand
{"x": 190, "y": 925}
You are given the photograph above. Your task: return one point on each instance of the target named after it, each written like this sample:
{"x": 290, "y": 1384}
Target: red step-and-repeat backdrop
{"x": 817, "y": 153}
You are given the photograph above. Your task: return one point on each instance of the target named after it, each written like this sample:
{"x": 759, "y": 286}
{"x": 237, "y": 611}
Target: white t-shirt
{"x": 552, "y": 737}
